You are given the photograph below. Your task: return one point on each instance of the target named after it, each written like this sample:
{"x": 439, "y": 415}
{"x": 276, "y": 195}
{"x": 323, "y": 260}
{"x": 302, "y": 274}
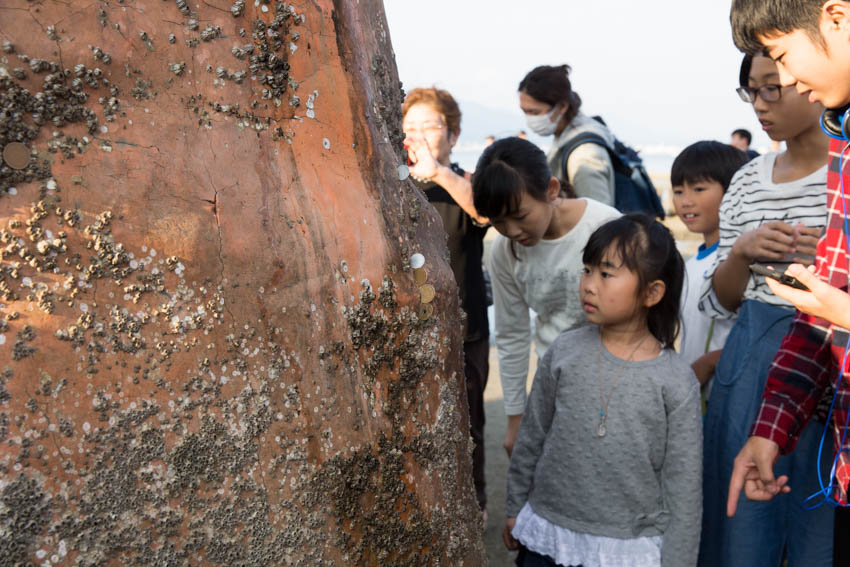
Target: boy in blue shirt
{"x": 700, "y": 176}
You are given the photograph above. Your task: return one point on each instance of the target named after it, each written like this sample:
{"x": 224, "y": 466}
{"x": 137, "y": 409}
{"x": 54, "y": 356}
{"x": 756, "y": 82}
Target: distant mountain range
{"x": 479, "y": 121}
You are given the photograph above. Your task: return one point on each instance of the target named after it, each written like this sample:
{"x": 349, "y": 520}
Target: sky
{"x": 661, "y": 72}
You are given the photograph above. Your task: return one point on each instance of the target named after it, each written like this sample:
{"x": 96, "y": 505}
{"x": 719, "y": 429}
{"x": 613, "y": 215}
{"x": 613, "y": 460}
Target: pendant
{"x": 601, "y": 430}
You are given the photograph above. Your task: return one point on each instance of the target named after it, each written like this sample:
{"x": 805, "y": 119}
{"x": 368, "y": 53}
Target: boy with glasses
{"x": 772, "y": 214}
{"x": 810, "y": 42}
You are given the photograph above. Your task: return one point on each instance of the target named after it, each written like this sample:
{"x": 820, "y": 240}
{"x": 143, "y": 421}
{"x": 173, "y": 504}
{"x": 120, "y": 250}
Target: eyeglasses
{"x": 422, "y": 129}
{"x": 768, "y": 93}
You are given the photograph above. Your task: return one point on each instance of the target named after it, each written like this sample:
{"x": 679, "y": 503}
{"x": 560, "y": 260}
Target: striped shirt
{"x": 752, "y": 200}
{"x": 809, "y": 360}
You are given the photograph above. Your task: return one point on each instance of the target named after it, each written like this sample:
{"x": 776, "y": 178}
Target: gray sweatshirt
{"x": 644, "y": 478}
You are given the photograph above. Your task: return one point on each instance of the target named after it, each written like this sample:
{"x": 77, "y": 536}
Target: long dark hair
{"x": 551, "y": 84}
{"x": 507, "y": 168}
{"x": 648, "y": 249}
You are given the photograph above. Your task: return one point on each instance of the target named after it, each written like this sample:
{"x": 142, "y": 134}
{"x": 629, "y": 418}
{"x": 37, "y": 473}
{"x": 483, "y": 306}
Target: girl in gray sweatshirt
{"x": 607, "y": 465}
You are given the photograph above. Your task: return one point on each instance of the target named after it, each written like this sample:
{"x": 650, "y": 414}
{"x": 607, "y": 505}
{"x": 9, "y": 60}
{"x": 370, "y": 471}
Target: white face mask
{"x": 543, "y": 124}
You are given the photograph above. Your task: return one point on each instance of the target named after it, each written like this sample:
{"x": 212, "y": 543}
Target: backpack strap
{"x": 590, "y": 138}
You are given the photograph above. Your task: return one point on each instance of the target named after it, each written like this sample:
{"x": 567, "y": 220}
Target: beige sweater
{"x": 589, "y": 168}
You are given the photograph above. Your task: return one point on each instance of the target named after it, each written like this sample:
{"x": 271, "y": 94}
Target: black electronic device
{"x": 782, "y": 278}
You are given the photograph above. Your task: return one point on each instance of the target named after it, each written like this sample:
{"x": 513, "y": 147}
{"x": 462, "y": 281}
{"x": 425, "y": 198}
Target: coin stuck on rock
{"x": 425, "y": 311}
{"x": 403, "y": 172}
{"x": 427, "y": 293}
{"x": 420, "y": 276}
{"x": 16, "y": 155}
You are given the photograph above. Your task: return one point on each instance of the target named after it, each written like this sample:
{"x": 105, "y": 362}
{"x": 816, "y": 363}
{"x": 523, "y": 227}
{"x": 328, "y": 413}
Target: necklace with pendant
{"x": 601, "y": 428}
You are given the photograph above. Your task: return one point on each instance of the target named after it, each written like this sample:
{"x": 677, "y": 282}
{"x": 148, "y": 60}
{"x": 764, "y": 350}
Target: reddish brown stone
{"x": 213, "y": 350}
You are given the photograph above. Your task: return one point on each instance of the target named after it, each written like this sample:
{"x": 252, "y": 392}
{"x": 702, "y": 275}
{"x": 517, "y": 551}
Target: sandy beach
{"x": 496, "y": 464}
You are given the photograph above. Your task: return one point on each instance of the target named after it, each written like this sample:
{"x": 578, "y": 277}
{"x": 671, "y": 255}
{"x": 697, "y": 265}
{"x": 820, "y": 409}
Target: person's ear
{"x": 835, "y": 15}
{"x": 562, "y": 107}
{"x": 654, "y": 293}
{"x": 453, "y": 138}
{"x": 553, "y": 189}
{"x": 562, "y": 121}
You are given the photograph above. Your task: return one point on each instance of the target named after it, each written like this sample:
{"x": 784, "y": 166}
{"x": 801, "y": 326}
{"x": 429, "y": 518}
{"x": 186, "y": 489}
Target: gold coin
{"x": 16, "y": 155}
{"x": 420, "y": 276}
{"x": 427, "y": 293}
{"x": 425, "y": 311}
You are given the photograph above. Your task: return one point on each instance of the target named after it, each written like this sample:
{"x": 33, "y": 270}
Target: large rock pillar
{"x": 213, "y": 346}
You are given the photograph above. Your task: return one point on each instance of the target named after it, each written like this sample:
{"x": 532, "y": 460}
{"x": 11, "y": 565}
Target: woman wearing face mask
{"x": 551, "y": 107}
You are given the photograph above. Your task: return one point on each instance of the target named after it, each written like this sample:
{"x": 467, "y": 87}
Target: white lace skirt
{"x": 569, "y": 548}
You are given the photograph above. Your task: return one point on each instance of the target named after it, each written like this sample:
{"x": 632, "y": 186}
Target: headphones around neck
{"x": 835, "y": 122}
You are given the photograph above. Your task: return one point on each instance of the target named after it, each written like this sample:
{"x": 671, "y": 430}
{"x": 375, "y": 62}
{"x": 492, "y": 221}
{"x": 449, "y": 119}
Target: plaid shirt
{"x": 807, "y": 363}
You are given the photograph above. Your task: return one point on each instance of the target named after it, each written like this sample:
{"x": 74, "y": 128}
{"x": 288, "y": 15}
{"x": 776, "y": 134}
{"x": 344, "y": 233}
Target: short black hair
{"x": 746, "y": 67}
{"x": 755, "y": 19}
{"x": 507, "y": 168}
{"x": 648, "y": 249}
{"x": 743, "y": 133}
{"x": 708, "y": 160}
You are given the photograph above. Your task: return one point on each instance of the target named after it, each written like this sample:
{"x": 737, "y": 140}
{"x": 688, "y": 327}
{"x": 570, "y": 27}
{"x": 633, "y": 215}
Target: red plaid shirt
{"x": 808, "y": 361}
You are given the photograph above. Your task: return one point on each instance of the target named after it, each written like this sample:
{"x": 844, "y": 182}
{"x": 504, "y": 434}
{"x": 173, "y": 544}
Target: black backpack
{"x": 634, "y": 191}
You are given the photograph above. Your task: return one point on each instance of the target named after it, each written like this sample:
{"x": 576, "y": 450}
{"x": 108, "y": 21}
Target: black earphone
{"x": 835, "y": 122}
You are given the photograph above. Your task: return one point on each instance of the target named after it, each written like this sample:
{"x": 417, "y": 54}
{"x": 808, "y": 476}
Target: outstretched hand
{"x": 424, "y": 165}
{"x": 823, "y": 300}
{"x": 753, "y": 472}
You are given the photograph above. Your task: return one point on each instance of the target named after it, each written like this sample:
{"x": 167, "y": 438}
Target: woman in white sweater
{"x": 551, "y": 107}
{"x": 535, "y": 263}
